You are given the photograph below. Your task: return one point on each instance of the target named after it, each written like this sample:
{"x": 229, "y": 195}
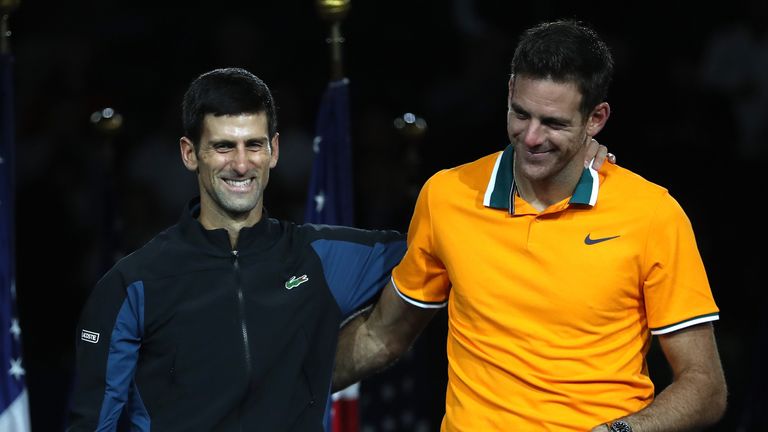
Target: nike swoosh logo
{"x": 591, "y": 241}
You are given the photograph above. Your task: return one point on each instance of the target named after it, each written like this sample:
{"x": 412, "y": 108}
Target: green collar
{"x": 501, "y": 186}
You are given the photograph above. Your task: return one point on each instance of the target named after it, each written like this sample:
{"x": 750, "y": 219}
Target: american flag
{"x": 14, "y": 405}
{"x": 329, "y": 201}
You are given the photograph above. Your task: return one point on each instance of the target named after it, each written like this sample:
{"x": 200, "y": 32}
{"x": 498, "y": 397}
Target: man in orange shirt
{"x": 555, "y": 275}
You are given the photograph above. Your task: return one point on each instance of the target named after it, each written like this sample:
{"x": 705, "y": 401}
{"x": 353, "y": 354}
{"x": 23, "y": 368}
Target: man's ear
{"x": 597, "y": 118}
{"x": 275, "y": 144}
{"x": 188, "y": 154}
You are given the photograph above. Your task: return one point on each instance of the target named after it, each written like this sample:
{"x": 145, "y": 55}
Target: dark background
{"x": 680, "y": 118}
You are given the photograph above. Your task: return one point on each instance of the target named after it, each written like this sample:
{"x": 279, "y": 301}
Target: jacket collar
{"x": 501, "y": 188}
{"x": 259, "y": 236}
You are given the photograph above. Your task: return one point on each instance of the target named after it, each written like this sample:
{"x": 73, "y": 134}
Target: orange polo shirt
{"x": 550, "y": 314}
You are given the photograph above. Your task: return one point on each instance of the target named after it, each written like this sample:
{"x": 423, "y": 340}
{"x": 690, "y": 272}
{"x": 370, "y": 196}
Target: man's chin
{"x": 240, "y": 208}
{"x": 536, "y": 171}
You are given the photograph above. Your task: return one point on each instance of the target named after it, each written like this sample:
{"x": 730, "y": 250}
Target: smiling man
{"x": 232, "y": 166}
{"x": 556, "y": 275}
{"x": 228, "y": 320}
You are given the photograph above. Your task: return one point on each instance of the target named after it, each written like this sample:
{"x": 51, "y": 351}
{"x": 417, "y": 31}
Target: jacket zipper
{"x": 241, "y": 311}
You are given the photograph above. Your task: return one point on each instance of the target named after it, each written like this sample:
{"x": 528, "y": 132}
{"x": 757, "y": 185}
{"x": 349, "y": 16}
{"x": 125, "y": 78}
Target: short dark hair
{"x": 228, "y": 91}
{"x": 566, "y": 51}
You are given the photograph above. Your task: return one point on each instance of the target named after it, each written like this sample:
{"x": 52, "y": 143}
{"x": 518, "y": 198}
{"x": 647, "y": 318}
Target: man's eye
{"x": 255, "y": 145}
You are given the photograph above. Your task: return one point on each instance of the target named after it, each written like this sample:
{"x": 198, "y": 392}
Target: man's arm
{"x": 696, "y": 398}
{"x": 375, "y": 339}
{"x": 109, "y": 337}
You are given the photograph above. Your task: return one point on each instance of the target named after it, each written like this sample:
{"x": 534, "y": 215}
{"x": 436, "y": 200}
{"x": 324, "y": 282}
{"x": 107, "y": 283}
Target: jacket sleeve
{"x": 107, "y": 343}
{"x": 357, "y": 263}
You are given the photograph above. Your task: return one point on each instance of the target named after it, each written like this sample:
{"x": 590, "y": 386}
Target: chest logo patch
{"x": 294, "y": 281}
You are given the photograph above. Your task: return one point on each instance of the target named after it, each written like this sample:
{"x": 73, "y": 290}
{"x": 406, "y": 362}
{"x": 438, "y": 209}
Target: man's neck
{"x": 542, "y": 193}
{"x": 231, "y": 223}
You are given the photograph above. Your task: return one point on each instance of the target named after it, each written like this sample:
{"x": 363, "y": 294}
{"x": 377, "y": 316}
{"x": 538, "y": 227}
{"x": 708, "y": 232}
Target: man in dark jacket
{"x": 228, "y": 320}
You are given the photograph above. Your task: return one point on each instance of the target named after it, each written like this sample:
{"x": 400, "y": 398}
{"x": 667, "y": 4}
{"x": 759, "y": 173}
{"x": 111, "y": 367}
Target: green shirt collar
{"x": 501, "y": 185}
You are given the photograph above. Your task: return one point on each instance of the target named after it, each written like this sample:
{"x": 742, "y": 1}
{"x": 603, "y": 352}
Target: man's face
{"x": 233, "y": 160}
{"x": 546, "y": 127}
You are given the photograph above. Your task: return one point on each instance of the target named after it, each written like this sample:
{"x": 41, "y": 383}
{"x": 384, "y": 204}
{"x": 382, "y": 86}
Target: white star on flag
{"x": 319, "y": 201}
{"x": 16, "y": 370}
{"x": 15, "y": 329}
{"x": 316, "y": 144}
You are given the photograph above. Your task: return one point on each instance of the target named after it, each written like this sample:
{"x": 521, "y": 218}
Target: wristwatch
{"x": 619, "y": 426}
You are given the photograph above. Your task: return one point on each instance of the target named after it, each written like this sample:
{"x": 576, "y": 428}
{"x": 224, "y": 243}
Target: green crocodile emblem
{"x": 294, "y": 281}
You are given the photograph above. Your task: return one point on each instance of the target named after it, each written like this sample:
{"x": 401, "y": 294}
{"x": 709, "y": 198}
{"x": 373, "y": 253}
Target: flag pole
{"x": 6, "y": 7}
{"x": 334, "y": 12}
{"x": 330, "y": 191}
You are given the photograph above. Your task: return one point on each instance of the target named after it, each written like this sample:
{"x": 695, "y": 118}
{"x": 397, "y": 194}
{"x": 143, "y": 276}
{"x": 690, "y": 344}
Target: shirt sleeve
{"x": 108, "y": 340}
{"x": 676, "y": 289}
{"x": 421, "y": 278}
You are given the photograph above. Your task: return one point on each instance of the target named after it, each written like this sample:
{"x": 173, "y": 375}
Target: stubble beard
{"x": 237, "y": 205}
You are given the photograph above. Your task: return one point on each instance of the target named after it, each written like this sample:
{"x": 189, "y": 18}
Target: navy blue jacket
{"x": 187, "y": 334}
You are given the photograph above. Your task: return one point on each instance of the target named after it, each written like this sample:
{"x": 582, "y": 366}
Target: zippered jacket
{"x": 189, "y": 334}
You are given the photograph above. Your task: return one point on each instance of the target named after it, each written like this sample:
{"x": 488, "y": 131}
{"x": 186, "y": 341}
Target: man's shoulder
{"x": 473, "y": 174}
{"x": 154, "y": 252}
{"x": 478, "y": 167}
{"x": 637, "y": 194}
{"x": 313, "y": 232}
{"x": 631, "y": 182}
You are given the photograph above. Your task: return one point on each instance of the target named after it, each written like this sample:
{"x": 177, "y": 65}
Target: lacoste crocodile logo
{"x": 294, "y": 281}
{"x": 591, "y": 241}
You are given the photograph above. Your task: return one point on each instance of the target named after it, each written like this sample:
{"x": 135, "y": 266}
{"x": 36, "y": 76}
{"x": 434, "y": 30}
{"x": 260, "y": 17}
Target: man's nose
{"x": 240, "y": 163}
{"x": 534, "y": 134}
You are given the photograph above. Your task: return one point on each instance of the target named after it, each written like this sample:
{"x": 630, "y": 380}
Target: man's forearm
{"x": 359, "y": 353}
{"x": 688, "y": 404}
{"x": 697, "y": 396}
{"x": 372, "y": 341}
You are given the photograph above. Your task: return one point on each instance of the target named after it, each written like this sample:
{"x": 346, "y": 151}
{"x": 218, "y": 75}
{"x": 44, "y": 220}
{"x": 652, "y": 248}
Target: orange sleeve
{"x": 676, "y": 289}
{"x": 421, "y": 277}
